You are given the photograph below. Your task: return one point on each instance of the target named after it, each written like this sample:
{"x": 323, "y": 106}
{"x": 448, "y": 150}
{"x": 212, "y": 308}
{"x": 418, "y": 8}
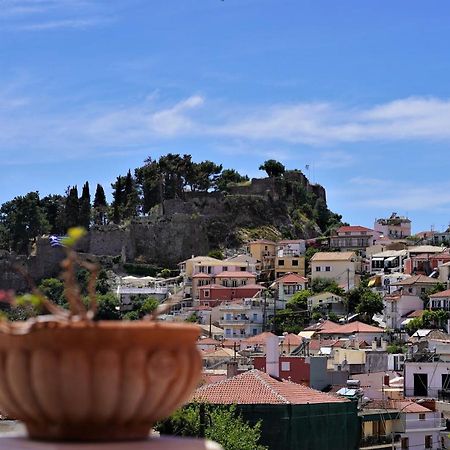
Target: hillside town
{"x": 349, "y": 333}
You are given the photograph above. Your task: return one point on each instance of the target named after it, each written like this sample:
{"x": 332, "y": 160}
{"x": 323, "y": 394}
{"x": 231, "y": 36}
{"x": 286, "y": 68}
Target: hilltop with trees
{"x": 172, "y": 207}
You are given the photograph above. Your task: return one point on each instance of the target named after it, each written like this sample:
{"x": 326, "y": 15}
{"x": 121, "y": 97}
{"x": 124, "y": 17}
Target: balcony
{"x": 435, "y": 423}
{"x": 234, "y": 322}
{"x": 370, "y": 442}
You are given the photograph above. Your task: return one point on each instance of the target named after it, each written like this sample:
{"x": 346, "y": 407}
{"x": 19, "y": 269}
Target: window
{"x": 318, "y": 269}
{"x": 225, "y": 268}
{"x": 327, "y": 269}
{"x": 255, "y": 331}
{"x": 281, "y": 262}
{"x": 285, "y": 366}
{"x": 243, "y": 269}
{"x": 422, "y": 416}
{"x": 429, "y": 441}
{"x": 295, "y": 262}
{"x": 206, "y": 294}
{"x": 234, "y": 283}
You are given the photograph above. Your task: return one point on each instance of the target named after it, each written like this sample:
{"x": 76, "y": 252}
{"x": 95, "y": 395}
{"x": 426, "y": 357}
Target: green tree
{"x": 321, "y": 214}
{"x": 102, "y": 284}
{"x": 149, "y": 181}
{"x": 131, "y": 197}
{"x": 100, "y": 206}
{"x": 371, "y": 303}
{"x": 108, "y": 307}
{"x": 53, "y": 289}
{"x": 118, "y": 203}
{"x": 85, "y": 207}
{"x": 273, "y": 168}
{"x": 53, "y": 206}
{"x": 299, "y": 301}
{"x": 23, "y": 220}
{"x": 221, "y": 424}
{"x": 227, "y": 178}
{"x": 216, "y": 253}
{"x": 319, "y": 285}
{"x": 72, "y": 208}
{"x": 149, "y": 305}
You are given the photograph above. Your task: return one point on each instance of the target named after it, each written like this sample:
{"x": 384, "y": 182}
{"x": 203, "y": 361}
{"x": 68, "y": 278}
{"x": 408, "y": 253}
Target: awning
{"x": 406, "y": 321}
{"x": 392, "y": 258}
{"x": 377, "y": 259}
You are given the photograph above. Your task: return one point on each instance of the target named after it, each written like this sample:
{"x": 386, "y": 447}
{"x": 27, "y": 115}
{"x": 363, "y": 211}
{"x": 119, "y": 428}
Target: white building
{"x": 397, "y": 306}
{"x": 417, "y": 427}
{"x": 243, "y": 318}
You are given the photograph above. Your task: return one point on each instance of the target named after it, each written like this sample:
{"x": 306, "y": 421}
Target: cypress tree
{"x": 72, "y": 208}
{"x": 100, "y": 206}
{"x": 119, "y": 200}
{"x": 85, "y": 207}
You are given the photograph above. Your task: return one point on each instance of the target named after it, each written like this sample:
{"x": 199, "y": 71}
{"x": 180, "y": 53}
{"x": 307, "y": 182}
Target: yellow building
{"x": 343, "y": 267}
{"x": 289, "y": 264}
{"x": 265, "y": 252}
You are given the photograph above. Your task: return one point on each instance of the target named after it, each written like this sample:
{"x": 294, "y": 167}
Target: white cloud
{"x": 275, "y": 131}
{"x": 46, "y": 15}
{"x": 67, "y": 23}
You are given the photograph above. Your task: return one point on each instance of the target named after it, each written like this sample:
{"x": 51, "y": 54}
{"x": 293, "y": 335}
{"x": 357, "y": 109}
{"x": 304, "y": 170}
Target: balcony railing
{"x": 240, "y": 322}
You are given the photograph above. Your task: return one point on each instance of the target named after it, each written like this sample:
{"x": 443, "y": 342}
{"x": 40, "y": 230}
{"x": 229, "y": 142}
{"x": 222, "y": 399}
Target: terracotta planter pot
{"x": 97, "y": 381}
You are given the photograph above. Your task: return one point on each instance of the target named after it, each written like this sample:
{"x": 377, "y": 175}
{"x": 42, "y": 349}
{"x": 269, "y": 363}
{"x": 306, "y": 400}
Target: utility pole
{"x": 264, "y": 311}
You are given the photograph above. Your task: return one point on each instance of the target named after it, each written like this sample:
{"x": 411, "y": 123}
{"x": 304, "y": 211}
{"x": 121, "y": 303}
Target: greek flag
{"x": 56, "y": 241}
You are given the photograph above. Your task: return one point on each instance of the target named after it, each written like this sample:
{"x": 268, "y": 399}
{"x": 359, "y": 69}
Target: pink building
{"x": 395, "y": 227}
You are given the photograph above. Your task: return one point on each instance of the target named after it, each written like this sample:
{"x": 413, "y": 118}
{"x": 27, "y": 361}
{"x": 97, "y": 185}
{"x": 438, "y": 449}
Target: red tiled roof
{"x": 292, "y": 278}
{"x": 256, "y": 387}
{"x": 230, "y": 343}
{"x": 417, "y": 313}
{"x": 350, "y": 328}
{"x": 235, "y": 274}
{"x": 315, "y": 344}
{"x": 208, "y": 341}
{"x": 325, "y": 325}
{"x": 442, "y": 294}
{"x": 415, "y": 279}
{"x": 259, "y": 338}
{"x": 408, "y": 406}
{"x": 292, "y": 339}
{"x": 354, "y": 228}
{"x": 262, "y": 241}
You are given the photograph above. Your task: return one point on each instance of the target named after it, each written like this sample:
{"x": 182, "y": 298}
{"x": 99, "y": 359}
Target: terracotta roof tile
{"x": 259, "y": 339}
{"x": 416, "y": 279}
{"x": 256, "y": 387}
{"x": 350, "y": 328}
{"x": 442, "y": 294}
{"x": 417, "y": 313}
{"x": 292, "y": 278}
{"x": 352, "y": 228}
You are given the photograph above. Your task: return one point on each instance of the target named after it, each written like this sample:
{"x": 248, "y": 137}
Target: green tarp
{"x": 327, "y": 426}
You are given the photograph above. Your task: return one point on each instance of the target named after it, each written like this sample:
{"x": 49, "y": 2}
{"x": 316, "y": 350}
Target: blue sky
{"x": 358, "y": 90}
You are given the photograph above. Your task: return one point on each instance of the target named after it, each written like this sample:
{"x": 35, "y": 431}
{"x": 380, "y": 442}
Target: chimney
{"x": 272, "y": 356}
{"x": 374, "y": 345}
{"x": 232, "y": 367}
{"x": 386, "y": 380}
{"x": 384, "y": 345}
